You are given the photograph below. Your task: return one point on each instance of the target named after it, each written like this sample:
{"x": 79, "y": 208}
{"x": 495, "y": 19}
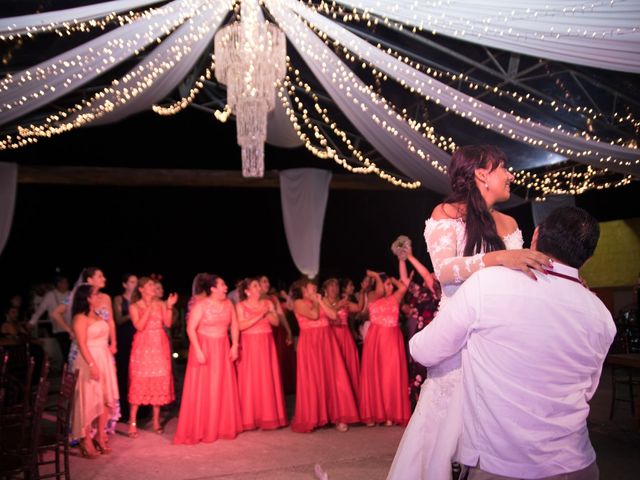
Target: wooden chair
{"x": 58, "y": 441}
{"x": 24, "y": 459}
{"x": 622, "y": 376}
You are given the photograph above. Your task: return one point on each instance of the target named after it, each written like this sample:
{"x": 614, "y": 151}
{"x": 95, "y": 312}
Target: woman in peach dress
{"x": 96, "y": 393}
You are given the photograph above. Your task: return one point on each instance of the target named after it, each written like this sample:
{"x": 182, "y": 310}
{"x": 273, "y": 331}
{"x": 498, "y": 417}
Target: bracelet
{"x": 91, "y": 364}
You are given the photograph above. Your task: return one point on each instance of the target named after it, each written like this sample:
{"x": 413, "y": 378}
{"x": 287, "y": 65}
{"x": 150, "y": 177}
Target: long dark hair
{"x": 81, "y": 300}
{"x": 481, "y": 232}
{"x": 88, "y": 272}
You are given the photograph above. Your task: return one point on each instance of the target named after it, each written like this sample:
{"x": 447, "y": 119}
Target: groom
{"x": 532, "y": 354}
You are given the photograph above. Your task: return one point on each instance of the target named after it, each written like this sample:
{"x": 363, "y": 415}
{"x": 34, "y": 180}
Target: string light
{"x": 138, "y": 80}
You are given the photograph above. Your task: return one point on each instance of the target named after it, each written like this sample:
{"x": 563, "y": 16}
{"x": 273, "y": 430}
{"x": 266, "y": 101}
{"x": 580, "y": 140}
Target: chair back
{"x": 36, "y": 421}
{"x": 65, "y": 403}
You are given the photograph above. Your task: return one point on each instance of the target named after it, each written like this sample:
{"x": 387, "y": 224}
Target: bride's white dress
{"x": 430, "y": 441}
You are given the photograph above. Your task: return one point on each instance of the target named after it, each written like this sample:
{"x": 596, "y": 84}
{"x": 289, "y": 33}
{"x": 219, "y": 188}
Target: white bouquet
{"x": 401, "y": 246}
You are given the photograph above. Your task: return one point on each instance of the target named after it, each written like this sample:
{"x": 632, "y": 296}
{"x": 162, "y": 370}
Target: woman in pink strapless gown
{"x": 384, "y": 396}
{"x": 324, "y": 393}
{"x": 259, "y": 380}
{"x": 150, "y": 377}
{"x": 341, "y": 330}
{"x": 210, "y": 406}
{"x": 96, "y": 393}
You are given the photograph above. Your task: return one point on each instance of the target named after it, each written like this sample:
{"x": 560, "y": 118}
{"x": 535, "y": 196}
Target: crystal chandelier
{"x": 250, "y": 59}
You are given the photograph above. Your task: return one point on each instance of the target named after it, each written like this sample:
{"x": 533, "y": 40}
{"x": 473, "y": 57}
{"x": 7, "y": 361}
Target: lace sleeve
{"x": 445, "y": 242}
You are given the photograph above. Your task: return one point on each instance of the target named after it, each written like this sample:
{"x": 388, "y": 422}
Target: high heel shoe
{"x": 102, "y": 447}
{"x": 159, "y": 430}
{"x": 86, "y": 453}
{"x": 133, "y": 430}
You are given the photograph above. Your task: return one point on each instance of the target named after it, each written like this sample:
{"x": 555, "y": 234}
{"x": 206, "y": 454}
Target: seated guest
{"x": 532, "y": 355}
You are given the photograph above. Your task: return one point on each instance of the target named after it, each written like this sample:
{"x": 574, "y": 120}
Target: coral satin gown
{"x": 210, "y": 406}
{"x": 259, "y": 379}
{"x": 324, "y": 393}
{"x": 384, "y": 395}
{"x": 348, "y": 348}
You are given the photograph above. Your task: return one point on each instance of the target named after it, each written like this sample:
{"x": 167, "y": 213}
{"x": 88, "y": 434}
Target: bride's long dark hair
{"x": 481, "y": 232}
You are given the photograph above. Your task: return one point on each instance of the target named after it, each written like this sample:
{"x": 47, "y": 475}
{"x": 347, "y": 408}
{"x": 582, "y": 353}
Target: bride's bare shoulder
{"x": 446, "y": 211}
{"x": 504, "y": 222}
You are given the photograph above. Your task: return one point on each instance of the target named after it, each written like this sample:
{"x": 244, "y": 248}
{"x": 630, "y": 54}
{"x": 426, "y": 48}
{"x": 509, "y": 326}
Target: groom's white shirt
{"x": 532, "y": 354}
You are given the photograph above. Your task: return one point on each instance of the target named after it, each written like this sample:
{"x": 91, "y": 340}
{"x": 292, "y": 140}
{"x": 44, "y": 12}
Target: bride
{"x": 463, "y": 235}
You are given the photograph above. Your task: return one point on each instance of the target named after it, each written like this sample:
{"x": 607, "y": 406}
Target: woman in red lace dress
{"x": 150, "y": 378}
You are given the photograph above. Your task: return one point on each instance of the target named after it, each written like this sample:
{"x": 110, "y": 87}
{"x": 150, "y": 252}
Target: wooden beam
{"x": 159, "y": 177}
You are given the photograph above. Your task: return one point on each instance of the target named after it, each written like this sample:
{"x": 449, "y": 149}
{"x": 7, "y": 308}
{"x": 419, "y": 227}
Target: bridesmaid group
{"x": 233, "y": 380}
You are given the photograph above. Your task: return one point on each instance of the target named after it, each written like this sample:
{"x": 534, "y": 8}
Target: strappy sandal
{"x": 103, "y": 448}
{"x": 86, "y": 453}
{"x": 133, "y": 430}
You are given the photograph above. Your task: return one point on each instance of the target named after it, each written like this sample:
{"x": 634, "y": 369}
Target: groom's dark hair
{"x": 569, "y": 234}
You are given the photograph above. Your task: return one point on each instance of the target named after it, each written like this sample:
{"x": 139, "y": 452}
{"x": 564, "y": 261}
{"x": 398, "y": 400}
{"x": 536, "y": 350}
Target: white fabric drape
{"x": 541, "y": 210}
{"x": 37, "y": 86}
{"x": 304, "y": 193}
{"x": 512, "y": 126}
{"x": 386, "y": 131}
{"x": 69, "y": 16}
{"x": 601, "y": 34}
{"x": 8, "y": 187}
{"x": 177, "y": 56}
{"x": 280, "y": 131}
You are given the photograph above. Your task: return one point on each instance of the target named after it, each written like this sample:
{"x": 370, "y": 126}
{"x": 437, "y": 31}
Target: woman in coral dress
{"x": 324, "y": 393}
{"x": 210, "y": 405}
{"x": 283, "y": 338}
{"x": 96, "y": 391}
{"x": 384, "y": 379}
{"x": 150, "y": 378}
{"x": 259, "y": 380}
{"x": 341, "y": 330}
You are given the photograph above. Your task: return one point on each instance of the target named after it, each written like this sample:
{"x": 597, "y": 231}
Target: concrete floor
{"x": 362, "y": 453}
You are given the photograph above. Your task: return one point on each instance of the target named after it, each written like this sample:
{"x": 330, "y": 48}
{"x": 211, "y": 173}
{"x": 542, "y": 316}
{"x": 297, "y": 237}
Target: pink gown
{"x": 259, "y": 380}
{"x": 384, "y": 395}
{"x": 324, "y": 393}
{"x": 210, "y": 406}
{"x": 93, "y": 396}
{"x": 348, "y": 348}
{"x": 150, "y": 378}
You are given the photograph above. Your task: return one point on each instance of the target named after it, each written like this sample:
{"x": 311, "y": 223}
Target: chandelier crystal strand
{"x": 250, "y": 60}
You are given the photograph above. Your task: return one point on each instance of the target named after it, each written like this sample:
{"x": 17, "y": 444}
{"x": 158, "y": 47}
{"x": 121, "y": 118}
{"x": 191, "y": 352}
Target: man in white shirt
{"x": 532, "y": 355}
{"x": 51, "y": 300}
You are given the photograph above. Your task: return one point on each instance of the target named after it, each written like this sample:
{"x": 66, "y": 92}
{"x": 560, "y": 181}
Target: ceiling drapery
{"x": 184, "y": 29}
{"x": 601, "y": 34}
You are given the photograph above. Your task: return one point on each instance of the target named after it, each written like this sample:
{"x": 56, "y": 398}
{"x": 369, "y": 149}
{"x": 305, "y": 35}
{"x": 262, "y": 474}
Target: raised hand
{"x": 172, "y": 299}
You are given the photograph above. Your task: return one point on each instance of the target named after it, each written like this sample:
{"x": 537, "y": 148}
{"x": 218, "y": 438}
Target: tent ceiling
{"x": 607, "y": 93}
